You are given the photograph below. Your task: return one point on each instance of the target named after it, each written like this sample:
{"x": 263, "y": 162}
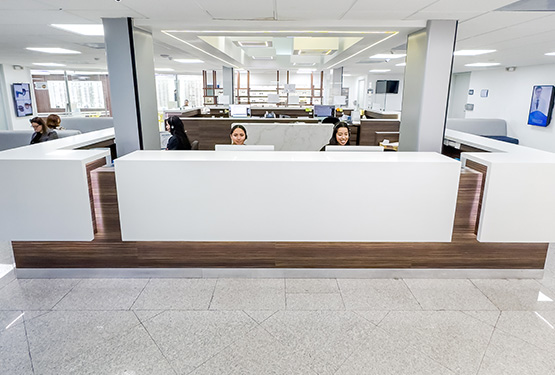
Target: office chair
{"x": 330, "y": 120}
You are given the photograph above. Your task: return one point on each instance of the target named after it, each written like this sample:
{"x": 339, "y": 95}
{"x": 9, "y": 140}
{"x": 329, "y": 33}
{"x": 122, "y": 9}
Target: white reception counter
{"x": 45, "y": 193}
{"x": 289, "y": 137}
{"x": 286, "y": 196}
{"x": 518, "y": 203}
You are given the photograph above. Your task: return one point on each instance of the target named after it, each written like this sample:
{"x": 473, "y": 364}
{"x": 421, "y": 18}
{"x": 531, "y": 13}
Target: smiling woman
{"x": 341, "y": 135}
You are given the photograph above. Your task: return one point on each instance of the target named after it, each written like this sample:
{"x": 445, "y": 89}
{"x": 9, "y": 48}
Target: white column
{"x": 426, "y": 86}
{"x": 130, "y": 56}
{"x": 228, "y": 82}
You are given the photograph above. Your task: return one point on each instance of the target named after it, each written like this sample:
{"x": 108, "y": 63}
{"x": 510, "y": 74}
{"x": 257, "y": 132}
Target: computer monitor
{"x": 354, "y": 148}
{"x": 239, "y": 110}
{"x": 324, "y": 111}
{"x": 244, "y": 147}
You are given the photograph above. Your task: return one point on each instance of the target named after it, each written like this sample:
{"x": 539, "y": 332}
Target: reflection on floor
{"x": 276, "y": 326}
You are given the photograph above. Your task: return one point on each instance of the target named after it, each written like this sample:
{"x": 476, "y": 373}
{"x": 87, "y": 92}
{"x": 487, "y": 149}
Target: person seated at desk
{"x": 340, "y": 137}
{"x": 53, "y": 122}
{"x": 238, "y": 135}
{"x": 330, "y": 120}
{"x": 178, "y": 140}
{"x": 42, "y": 132}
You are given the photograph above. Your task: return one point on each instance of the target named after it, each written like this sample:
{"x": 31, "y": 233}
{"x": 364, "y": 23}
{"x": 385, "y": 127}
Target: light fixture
{"x": 550, "y": 54}
{"x": 164, "y": 69}
{"x": 305, "y": 71}
{"x": 83, "y": 29}
{"x": 401, "y": 64}
{"x": 482, "y": 65}
{"x": 262, "y": 57}
{"x": 45, "y": 72}
{"x": 380, "y": 70}
{"x": 60, "y": 51}
{"x": 48, "y": 64}
{"x": 347, "y": 75}
{"x": 189, "y": 61}
{"x": 388, "y": 56}
{"x": 473, "y": 52}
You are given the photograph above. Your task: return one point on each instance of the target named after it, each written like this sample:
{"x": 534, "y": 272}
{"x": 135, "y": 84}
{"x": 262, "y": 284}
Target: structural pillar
{"x": 130, "y": 55}
{"x": 228, "y": 83}
{"x": 426, "y": 86}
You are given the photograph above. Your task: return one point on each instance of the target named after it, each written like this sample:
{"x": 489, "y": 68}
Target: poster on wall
{"x": 22, "y": 99}
{"x": 541, "y": 105}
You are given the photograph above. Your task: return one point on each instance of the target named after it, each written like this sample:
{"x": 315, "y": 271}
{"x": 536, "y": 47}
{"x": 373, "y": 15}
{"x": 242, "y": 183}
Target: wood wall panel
{"x": 108, "y": 251}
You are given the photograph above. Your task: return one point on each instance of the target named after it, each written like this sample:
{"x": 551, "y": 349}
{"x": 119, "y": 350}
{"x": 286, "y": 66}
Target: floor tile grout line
{"x": 213, "y": 293}
{"x": 416, "y": 348}
{"x": 515, "y": 336}
{"x": 140, "y": 293}
{"x": 412, "y": 294}
{"x": 485, "y": 295}
{"x": 28, "y": 345}
{"x": 487, "y": 346}
{"x": 65, "y": 295}
{"x": 340, "y": 293}
{"x": 155, "y": 343}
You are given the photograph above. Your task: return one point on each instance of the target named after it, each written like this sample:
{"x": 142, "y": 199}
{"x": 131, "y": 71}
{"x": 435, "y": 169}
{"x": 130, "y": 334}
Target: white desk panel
{"x": 286, "y": 196}
{"x": 518, "y": 203}
{"x": 45, "y": 193}
{"x": 289, "y": 137}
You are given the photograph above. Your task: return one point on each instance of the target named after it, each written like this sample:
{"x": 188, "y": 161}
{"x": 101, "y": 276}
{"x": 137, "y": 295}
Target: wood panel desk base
{"x": 108, "y": 251}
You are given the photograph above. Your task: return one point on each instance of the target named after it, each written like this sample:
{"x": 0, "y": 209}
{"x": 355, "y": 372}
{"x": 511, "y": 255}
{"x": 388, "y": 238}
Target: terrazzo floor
{"x": 276, "y": 326}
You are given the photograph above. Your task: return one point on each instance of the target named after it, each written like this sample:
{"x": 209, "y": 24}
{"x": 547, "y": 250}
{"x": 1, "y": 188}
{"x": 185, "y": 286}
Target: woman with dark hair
{"x": 238, "y": 135}
{"x": 53, "y": 122}
{"x": 341, "y": 135}
{"x": 178, "y": 140}
{"x": 42, "y": 132}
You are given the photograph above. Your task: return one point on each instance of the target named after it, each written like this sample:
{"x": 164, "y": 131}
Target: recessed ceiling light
{"x": 189, "y": 61}
{"x": 254, "y": 44}
{"x": 61, "y": 51}
{"x": 550, "y": 54}
{"x": 473, "y": 52}
{"x": 46, "y": 72}
{"x": 85, "y": 73}
{"x": 380, "y": 70}
{"x": 388, "y": 56}
{"x": 164, "y": 69}
{"x": 347, "y": 75}
{"x": 48, "y": 64}
{"x": 482, "y": 64}
{"x": 401, "y": 64}
{"x": 262, "y": 57}
{"x": 85, "y": 29}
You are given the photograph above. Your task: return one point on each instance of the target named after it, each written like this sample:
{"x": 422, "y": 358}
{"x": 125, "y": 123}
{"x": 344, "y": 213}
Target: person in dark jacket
{"x": 178, "y": 140}
{"x": 42, "y": 132}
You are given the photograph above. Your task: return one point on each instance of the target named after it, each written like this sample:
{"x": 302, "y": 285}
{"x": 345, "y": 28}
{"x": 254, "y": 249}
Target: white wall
{"x": 15, "y": 76}
{"x": 458, "y": 93}
{"x": 509, "y": 98}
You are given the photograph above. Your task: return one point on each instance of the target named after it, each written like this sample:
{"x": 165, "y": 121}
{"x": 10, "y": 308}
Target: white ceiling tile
{"x": 307, "y": 9}
{"x": 44, "y": 17}
{"x": 24, "y": 4}
{"x": 444, "y": 15}
{"x": 88, "y": 4}
{"x": 480, "y": 6}
{"x": 490, "y": 22}
{"x": 240, "y": 9}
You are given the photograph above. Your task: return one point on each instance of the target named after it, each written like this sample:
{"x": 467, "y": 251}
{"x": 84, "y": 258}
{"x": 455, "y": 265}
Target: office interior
{"x": 485, "y": 278}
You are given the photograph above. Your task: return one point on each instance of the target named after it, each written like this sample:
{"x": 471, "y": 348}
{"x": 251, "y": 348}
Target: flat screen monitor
{"x": 239, "y": 111}
{"x": 387, "y": 87}
{"x": 244, "y": 147}
{"x": 324, "y": 111}
{"x": 541, "y": 106}
{"x": 354, "y": 148}
{"x": 22, "y": 99}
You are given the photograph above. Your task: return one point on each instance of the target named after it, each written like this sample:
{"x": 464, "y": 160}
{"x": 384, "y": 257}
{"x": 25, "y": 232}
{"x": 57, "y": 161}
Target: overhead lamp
{"x": 82, "y": 29}
{"x": 164, "y": 69}
{"x": 473, "y": 52}
{"x": 262, "y": 57}
{"x": 189, "y": 61}
{"x": 550, "y": 54}
{"x": 60, "y": 51}
{"x": 388, "y": 56}
{"x": 380, "y": 70}
{"x": 48, "y": 64}
{"x": 482, "y": 65}
{"x": 305, "y": 71}
{"x": 401, "y": 64}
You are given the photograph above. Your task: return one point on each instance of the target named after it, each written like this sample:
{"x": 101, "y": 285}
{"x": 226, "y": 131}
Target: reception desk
{"x": 287, "y": 196}
{"x": 289, "y": 137}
